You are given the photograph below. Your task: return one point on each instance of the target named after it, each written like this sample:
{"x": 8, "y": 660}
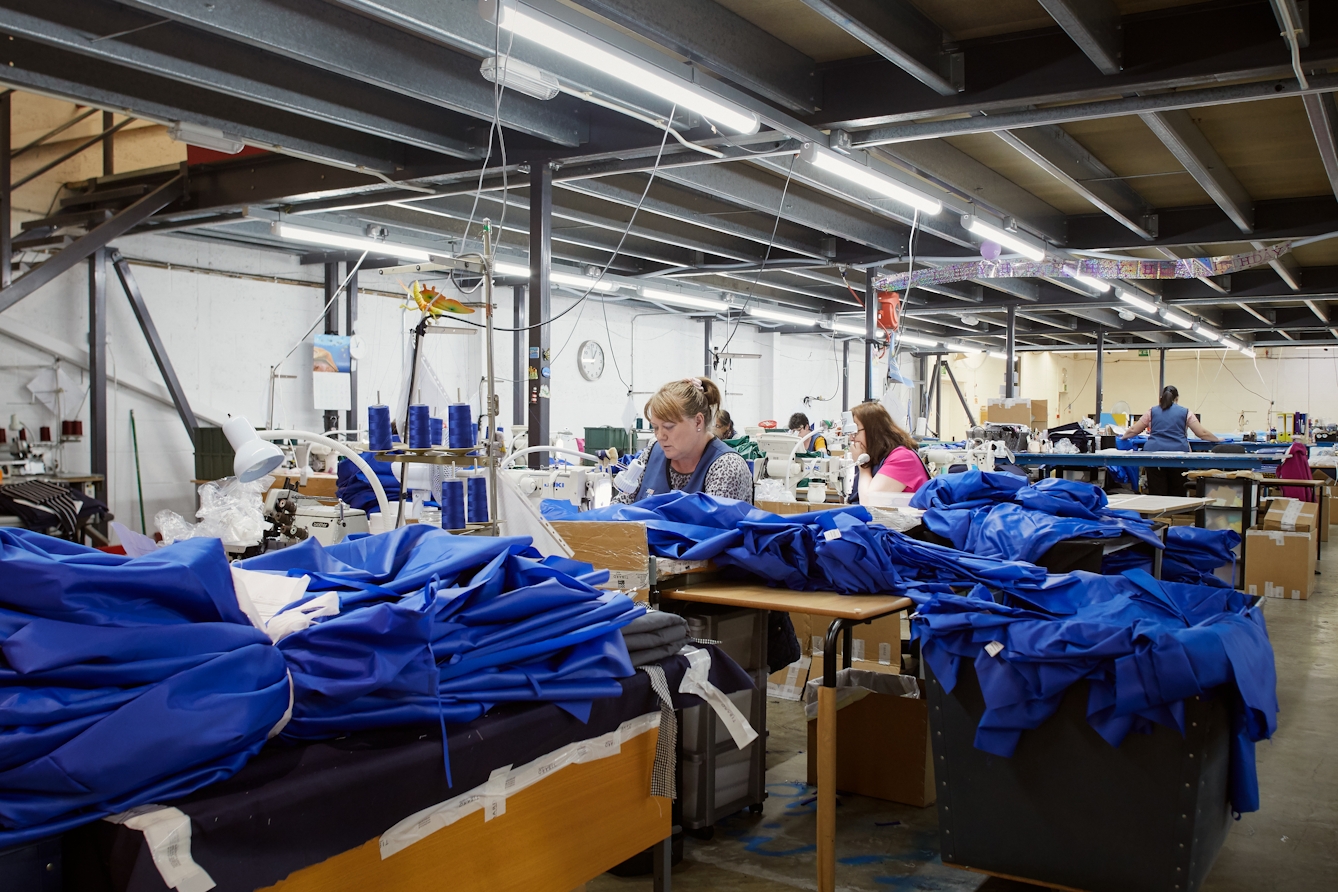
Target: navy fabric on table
{"x": 1191, "y": 556}
{"x": 295, "y": 805}
{"x": 1144, "y": 646}
{"x": 123, "y": 680}
{"x": 352, "y": 488}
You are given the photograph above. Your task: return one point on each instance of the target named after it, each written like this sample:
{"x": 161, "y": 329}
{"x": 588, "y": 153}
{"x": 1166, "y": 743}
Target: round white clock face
{"x": 590, "y": 359}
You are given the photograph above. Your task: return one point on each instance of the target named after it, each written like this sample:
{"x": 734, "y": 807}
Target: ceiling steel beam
{"x": 1061, "y": 156}
{"x": 901, "y": 34}
{"x": 42, "y": 69}
{"x": 329, "y": 39}
{"x": 708, "y": 34}
{"x": 1178, "y": 132}
{"x": 1234, "y": 42}
{"x": 1318, "y": 311}
{"x": 1285, "y": 266}
{"x": 238, "y": 71}
{"x": 1295, "y": 16}
{"x": 1274, "y": 220}
{"x": 1094, "y": 25}
{"x": 1323, "y": 116}
{"x": 1096, "y": 110}
{"x": 1268, "y": 317}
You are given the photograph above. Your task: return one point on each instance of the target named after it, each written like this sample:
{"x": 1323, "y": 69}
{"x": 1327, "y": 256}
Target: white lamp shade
{"x": 255, "y": 457}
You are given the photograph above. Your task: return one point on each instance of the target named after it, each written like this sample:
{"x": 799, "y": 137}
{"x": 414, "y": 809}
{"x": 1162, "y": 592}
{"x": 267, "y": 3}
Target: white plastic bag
{"x": 229, "y": 510}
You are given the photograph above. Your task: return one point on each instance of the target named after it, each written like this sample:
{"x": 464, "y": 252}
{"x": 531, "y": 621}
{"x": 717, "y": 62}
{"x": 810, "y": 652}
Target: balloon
{"x": 990, "y": 250}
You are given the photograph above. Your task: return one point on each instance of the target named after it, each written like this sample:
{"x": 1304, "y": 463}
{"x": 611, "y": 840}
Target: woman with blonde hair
{"x": 686, "y": 455}
{"x": 894, "y": 464}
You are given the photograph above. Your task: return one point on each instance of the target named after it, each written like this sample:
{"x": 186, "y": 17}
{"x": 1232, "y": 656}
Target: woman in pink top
{"x": 894, "y": 465}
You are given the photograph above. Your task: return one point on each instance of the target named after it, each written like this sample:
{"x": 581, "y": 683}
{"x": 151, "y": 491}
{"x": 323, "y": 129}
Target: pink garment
{"x": 905, "y": 467}
{"x": 1296, "y": 467}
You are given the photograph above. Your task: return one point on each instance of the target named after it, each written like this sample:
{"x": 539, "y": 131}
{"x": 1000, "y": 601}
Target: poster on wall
{"x": 330, "y": 367}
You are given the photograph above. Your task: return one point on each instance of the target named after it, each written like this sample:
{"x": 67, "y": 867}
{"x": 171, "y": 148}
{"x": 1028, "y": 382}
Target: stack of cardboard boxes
{"x": 1035, "y": 414}
{"x": 876, "y": 646}
{"x": 1281, "y": 552}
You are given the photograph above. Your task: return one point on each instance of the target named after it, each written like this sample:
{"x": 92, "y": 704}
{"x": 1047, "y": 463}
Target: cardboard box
{"x": 882, "y": 749}
{"x": 1279, "y": 564}
{"x": 1292, "y": 516}
{"x": 788, "y": 683}
{"x": 319, "y": 485}
{"x": 617, "y": 546}
{"x": 1032, "y": 413}
{"x": 788, "y": 508}
{"x": 878, "y": 642}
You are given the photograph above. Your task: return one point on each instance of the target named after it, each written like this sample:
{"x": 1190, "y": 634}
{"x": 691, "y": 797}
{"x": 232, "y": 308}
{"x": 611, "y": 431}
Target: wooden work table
{"x": 847, "y": 611}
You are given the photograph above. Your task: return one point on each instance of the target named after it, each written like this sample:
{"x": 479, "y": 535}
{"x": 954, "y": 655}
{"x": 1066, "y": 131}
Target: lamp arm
{"x": 343, "y": 450}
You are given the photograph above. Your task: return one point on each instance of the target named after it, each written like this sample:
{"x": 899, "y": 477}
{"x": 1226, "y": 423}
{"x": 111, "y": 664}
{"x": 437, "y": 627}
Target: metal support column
{"x": 970, "y": 417}
{"x": 518, "y": 365}
{"x": 350, "y": 329}
{"x": 6, "y": 205}
{"x": 108, "y": 145}
{"x": 922, "y": 396}
{"x": 1100, "y": 362}
{"x": 870, "y": 318}
{"x": 97, "y": 370}
{"x": 1161, "y": 376}
{"x": 332, "y": 328}
{"x": 938, "y": 395}
{"x": 845, "y": 376}
{"x": 1010, "y": 377}
{"x": 541, "y": 251}
{"x": 708, "y": 357}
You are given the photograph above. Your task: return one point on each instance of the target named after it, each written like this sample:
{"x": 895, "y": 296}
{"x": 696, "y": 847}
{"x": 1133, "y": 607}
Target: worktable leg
{"x": 847, "y": 646}
{"x": 826, "y": 758}
{"x": 662, "y": 860}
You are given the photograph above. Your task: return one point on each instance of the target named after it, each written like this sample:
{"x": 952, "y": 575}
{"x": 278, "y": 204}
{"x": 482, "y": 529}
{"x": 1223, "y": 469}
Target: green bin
{"x": 597, "y": 438}
{"x": 213, "y": 454}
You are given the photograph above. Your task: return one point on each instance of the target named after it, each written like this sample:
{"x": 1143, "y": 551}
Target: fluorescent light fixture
{"x": 204, "y": 137}
{"x": 1096, "y": 284}
{"x": 501, "y": 268}
{"x": 584, "y": 283}
{"x": 856, "y": 330}
{"x": 848, "y": 169}
{"x": 1232, "y": 343}
{"x": 522, "y": 77}
{"x": 1177, "y": 320}
{"x": 964, "y": 348}
{"x": 916, "y": 340}
{"x": 351, "y": 242}
{"x": 997, "y": 355}
{"x": 1247, "y": 351}
{"x": 1007, "y": 239}
{"x": 1137, "y": 302}
{"x": 683, "y": 300}
{"x": 580, "y": 47}
{"x": 1207, "y": 332}
{"x": 782, "y": 316}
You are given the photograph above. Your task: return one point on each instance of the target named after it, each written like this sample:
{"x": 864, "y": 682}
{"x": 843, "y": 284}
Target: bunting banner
{"x": 1096, "y": 268}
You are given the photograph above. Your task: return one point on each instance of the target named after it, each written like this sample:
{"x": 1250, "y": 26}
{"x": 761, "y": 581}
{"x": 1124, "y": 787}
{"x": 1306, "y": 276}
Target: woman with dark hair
{"x": 724, "y": 426}
{"x": 894, "y": 464}
{"x": 1168, "y": 421}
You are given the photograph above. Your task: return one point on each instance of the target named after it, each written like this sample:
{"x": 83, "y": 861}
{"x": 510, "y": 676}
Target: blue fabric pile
{"x": 1000, "y": 515}
{"x": 352, "y": 488}
{"x": 1192, "y": 554}
{"x": 1143, "y": 650}
{"x": 123, "y": 681}
{"x": 438, "y": 628}
{"x": 1143, "y": 645}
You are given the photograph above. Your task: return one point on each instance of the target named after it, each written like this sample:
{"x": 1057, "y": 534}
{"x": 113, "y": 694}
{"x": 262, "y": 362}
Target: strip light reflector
{"x": 782, "y": 316}
{"x": 1003, "y": 237}
{"x": 684, "y": 300}
{"x": 1095, "y": 284}
{"x": 351, "y": 242}
{"x": 916, "y": 340}
{"x": 1207, "y": 332}
{"x": 841, "y": 166}
{"x": 1177, "y": 320}
{"x": 537, "y": 27}
{"x": 856, "y": 330}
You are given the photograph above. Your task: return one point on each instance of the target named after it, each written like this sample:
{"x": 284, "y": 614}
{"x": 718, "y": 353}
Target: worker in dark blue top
{"x": 1167, "y": 422}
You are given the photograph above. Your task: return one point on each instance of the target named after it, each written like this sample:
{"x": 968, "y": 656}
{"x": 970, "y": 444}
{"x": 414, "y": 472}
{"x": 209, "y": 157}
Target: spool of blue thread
{"x": 420, "y": 427}
{"x": 478, "y": 499}
{"x": 460, "y": 424}
{"x": 452, "y": 504}
{"x": 437, "y": 426}
{"x": 378, "y": 428}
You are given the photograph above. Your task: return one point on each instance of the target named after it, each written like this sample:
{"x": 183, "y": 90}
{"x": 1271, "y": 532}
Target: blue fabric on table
{"x": 1143, "y": 646}
{"x": 352, "y": 488}
{"x": 123, "y": 680}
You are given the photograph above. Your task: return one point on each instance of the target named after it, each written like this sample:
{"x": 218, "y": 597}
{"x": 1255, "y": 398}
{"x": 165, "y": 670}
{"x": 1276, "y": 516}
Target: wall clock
{"x": 590, "y": 360}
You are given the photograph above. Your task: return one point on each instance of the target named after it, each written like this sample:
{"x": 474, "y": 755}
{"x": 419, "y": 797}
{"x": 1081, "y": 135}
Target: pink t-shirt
{"x": 904, "y": 466}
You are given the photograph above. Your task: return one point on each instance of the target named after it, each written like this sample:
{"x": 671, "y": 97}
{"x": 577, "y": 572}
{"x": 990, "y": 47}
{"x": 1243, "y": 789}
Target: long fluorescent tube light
{"x": 964, "y": 348}
{"x": 856, "y": 330}
{"x": 916, "y": 340}
{"x": 683, "y": 300}
{"x": 519, "y": 76}
{"x": 1007, "y": 239}
{"x": 1137, "y": 302}
{"x": 353, "y": 243}
{"x": 1247, "y": 351}
{"x": 584, "y": 283}
{"x": 997, "y": 355}
{"x": 1096, "y": 284}
{"x": 1207, "y": 332}
{"x": 587, "y": 50}
{"x": 1233, "y": 344}
{"x": 847, "y": 169}
{"x": 1177, "y": 320}
{"x": 204, "y": 137}
{"x": 782, "y": 316}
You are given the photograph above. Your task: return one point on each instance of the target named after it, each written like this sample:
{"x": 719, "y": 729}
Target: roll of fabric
{"x": 420, "y": 427}
{"x": 460, "y": 426}
{"x": 378, "y": 428}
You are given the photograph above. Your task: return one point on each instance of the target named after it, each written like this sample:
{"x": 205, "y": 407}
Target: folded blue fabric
{"x": 352, "y": 488}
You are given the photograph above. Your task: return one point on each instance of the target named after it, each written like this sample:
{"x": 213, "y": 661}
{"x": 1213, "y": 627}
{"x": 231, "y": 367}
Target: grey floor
{"x": 1291, "y": 843}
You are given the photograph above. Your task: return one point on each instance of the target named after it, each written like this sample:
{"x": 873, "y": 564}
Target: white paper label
{"x": 994, "y": 648}
{"x": 167, "y": 832}
{"x": 885, "y": 653}
{"x": 857, "y": 649}
{"x": 829, "y": 535}
{"x": 1290, "y": 515}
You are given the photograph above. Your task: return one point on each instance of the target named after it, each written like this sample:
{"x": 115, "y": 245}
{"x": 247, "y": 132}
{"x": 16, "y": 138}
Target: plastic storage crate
{"x": 35, "y": 867}
{"x": 1071, "y": 811}
{"x": 717, "y": 778}
{"x": 213, "y": 454}
{"x": 597, "y": 438}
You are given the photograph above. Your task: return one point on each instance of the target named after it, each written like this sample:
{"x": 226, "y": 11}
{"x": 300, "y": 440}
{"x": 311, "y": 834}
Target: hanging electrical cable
{"x": 775, "y": 227}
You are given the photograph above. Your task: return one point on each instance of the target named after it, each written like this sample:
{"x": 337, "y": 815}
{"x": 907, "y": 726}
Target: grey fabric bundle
{"x": 654, "y": 636}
